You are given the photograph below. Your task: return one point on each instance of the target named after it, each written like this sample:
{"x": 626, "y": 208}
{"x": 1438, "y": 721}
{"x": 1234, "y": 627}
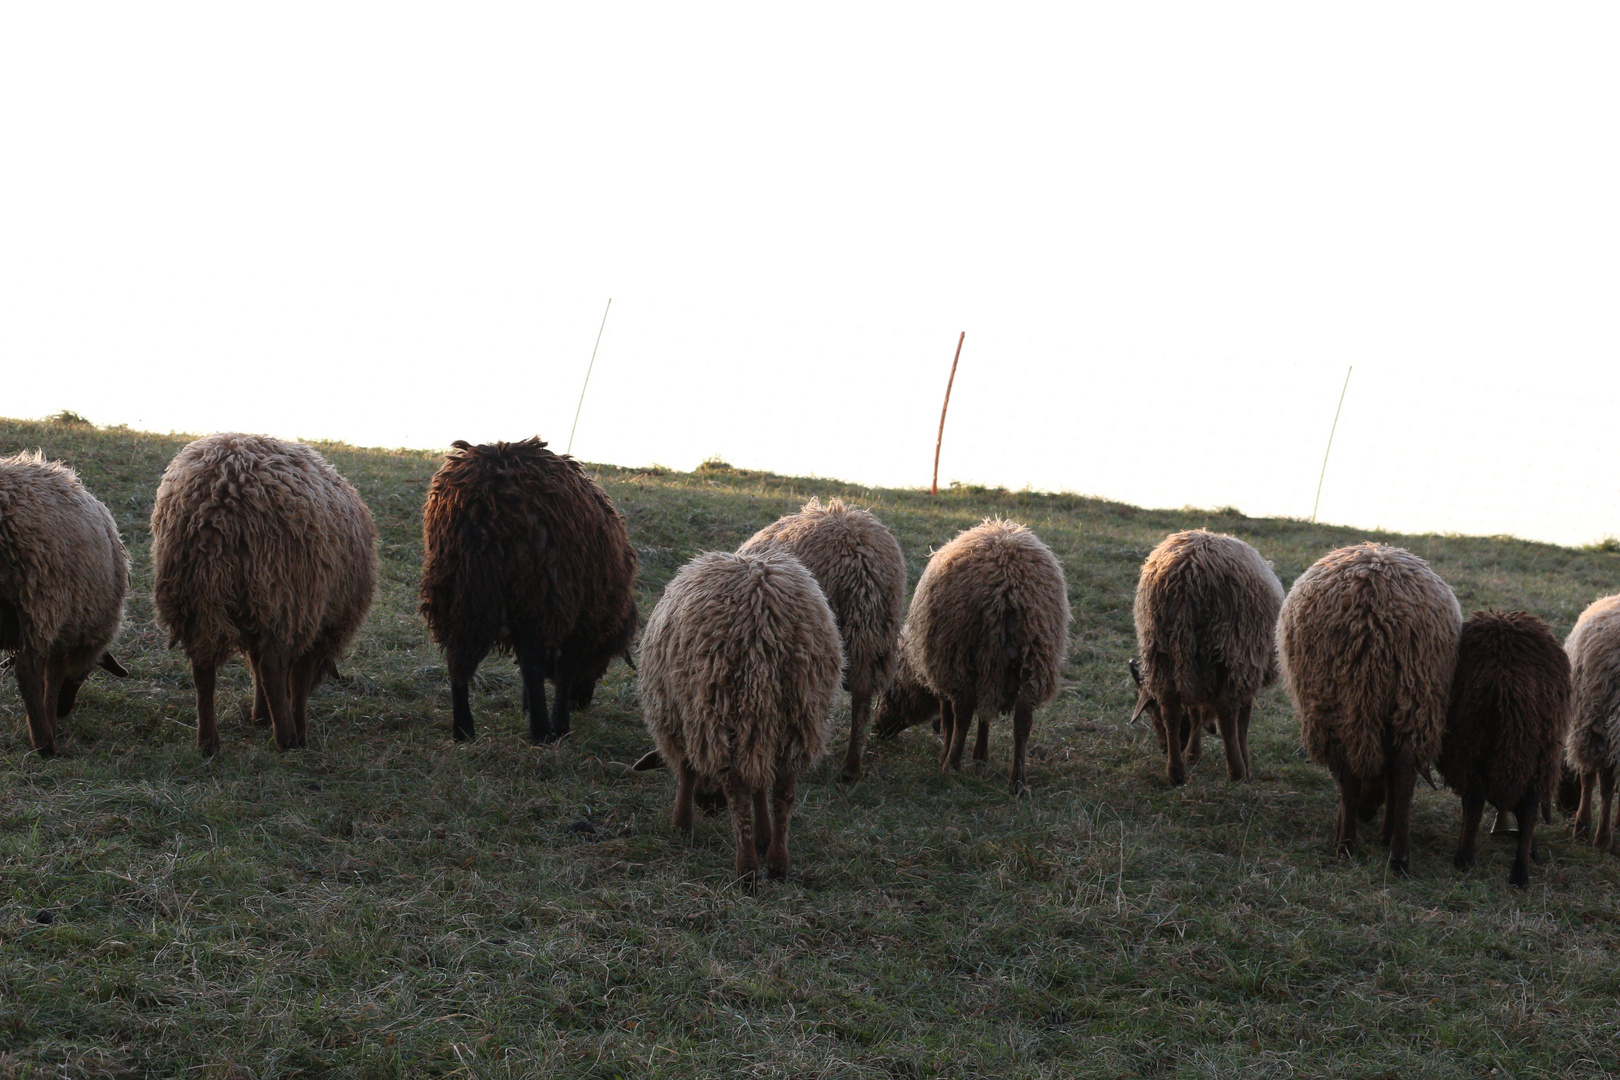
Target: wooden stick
{"x": 588, "y": 371}
{"x": 1331, "y": 432}
{"x": 933, "y": 487}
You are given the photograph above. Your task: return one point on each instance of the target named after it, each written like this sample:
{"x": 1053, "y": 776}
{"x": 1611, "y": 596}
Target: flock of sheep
{"x": 260, "y": 547}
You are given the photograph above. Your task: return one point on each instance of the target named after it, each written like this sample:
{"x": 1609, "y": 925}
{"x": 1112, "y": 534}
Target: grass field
{"x": 387, "y": 903}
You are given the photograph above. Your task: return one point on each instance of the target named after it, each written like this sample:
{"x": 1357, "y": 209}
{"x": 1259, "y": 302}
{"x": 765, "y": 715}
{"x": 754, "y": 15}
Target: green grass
{"x": 387, "y": 903}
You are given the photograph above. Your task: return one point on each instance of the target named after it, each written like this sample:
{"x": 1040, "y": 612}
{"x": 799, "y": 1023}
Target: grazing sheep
{"x": 986, "y": 635}
{"x": 863, "y": 575}
{"x": 260, "y": 547}
{"x": 740, "y": 663}
{"x": 1368, "y": 643}
{"x": 523, "y": 553}
{"x": 1593, "y": 748}
{"x": 63, "y": 575}
{"x": 1206, "y": 619}
{"x": 1504, "y": 735}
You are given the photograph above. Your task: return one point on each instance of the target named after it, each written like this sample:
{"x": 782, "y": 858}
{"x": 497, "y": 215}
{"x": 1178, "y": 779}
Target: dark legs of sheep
{"x": 685, "y": 785}
{"x": 38, "y": 691}
{"x": 860, "y": 716}
{"x": 1473, "y": 806}
{"x": 1402, "y": 779}
{"x": 1175, "y": 717}
{"x": 783, "y": 794}
{"x": 261, "y": 704}
{"x": 1349, "y": 812}
{"x": 1236, "y": 767}
{"x": 955, "y": 719}
{"x": 981, "y": 745}
{"x": 202, "y": 677}
{"x": 532, "y": 665}
{"x": 562, "y": 685}
{"x": 462, "y": 666}
{"x": 741, "y": 802}
{"x": 1520, "y": 874}
{"x": 276, "y": 669}
{"x": 1023, "y": 721}
{"x": 306, "y": 674}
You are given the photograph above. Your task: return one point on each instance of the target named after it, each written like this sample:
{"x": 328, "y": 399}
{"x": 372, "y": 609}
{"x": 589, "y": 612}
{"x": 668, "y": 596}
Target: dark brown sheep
{"x": 986, "y": 635}
{"x": 1593, "y": 747}
{"x": 1367, "y": 642}
{"x": 523, "y": 553}
{"x": 260, "y": 547}
{"x": 63, "y": 575}
{"x": 1206, "y": 616}
{"x": 860, "y": 568}
{"x": 1504, "y": 735}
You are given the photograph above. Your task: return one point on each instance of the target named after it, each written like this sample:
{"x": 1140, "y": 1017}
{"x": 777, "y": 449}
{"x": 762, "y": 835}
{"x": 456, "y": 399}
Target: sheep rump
{"x": 260, "y": 547}
{"x": 1206, "y": 616}
{"x": 740, "y": 662}
{"x": 1367, "y": 639}
{"x": 63, "y": 576}
{"x": 862, "y": 573}
{"x": 986, "y": 634}
{"x": 524, "y": 554}
{"x": 1505, "y": 727}
{"x": 1593, "y": 746}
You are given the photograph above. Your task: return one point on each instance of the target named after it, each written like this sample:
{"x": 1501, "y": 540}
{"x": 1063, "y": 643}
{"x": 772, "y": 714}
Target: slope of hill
{"x": 387, "y": 903}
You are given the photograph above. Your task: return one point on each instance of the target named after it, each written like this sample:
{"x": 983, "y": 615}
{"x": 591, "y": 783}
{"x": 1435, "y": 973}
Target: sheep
{"x": 1206, "y": 617}
{"x": 1367, "y": 639}
{"x": 1593, "y": 747}
{"x": 863, "y": 574}
{"x": 63, "y": 575}
{"x": 523, "y": 553}
{"x": 740, "y": 662}
{"x": 986, "y": 634}
{"x": 260, "y": 547}
{"x": 1504, "y": 734}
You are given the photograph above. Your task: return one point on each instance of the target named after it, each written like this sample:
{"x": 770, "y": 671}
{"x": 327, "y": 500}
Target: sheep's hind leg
{"x": 1398, "y": 814}
{"x": 981, "y": 745}
{"x": 1473, "y": 807}
{"x": 31, "y": 683}
{"x": 963, "y": 707}
{"x": 1175, "y": 717}
{"x": 562, "y": 686}
{"x": 531, "y": 660}
{"x": 860, "y": 718}
{"x": 1349, "y": 812}
{"x": 306, "y": 672}
{"x": 685, "y": 785}
{"x": 463, "y": 664}
{"x": 202, "y": 677}
{"x": 277, "y": 670}
{"x": 261, "y": 704}
{"x": 1236, "y": 767}
{"x": 947, "y": 731}
{"x": 783, "y": 794}
{"x": 1582, "y": 828}
{"x": 741, "y": 801}
{"x": 1520, "y": 874}
{"x": 1023, "y": 721}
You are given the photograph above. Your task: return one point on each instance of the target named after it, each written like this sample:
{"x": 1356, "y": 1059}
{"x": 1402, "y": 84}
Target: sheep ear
{"x": 652, "y": 759}
{"x": 111, "y": 664}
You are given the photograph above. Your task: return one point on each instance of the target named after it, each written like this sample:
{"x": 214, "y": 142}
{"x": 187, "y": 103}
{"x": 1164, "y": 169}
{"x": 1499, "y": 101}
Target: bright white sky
{"x": 1167, "y": 229}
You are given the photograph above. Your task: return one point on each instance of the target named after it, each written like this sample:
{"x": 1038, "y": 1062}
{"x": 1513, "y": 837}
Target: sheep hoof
{"x": 1399, "y": 866}
{"x": 1177, "y": 777}
{"x": 749, "y": 881}
{"x": 1463, "y": 859}
{"x": 1344, "y": 850}
{"x": 776, "y": 873}
{"x": 849, "y": 775}
{"x": 46, "y": 749}
{"x": 1020, "y": 789}
{"x": 208, "y": 747}
{"x": 1519, "y": 878}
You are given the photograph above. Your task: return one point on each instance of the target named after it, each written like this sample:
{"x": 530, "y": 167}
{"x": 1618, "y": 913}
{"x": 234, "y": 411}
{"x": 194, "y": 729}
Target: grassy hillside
{"x": 387, "y": 903}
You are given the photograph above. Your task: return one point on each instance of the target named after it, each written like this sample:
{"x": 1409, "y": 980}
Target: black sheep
{"x": 524, "y": 554}
{"x": 1504, "y": 735}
